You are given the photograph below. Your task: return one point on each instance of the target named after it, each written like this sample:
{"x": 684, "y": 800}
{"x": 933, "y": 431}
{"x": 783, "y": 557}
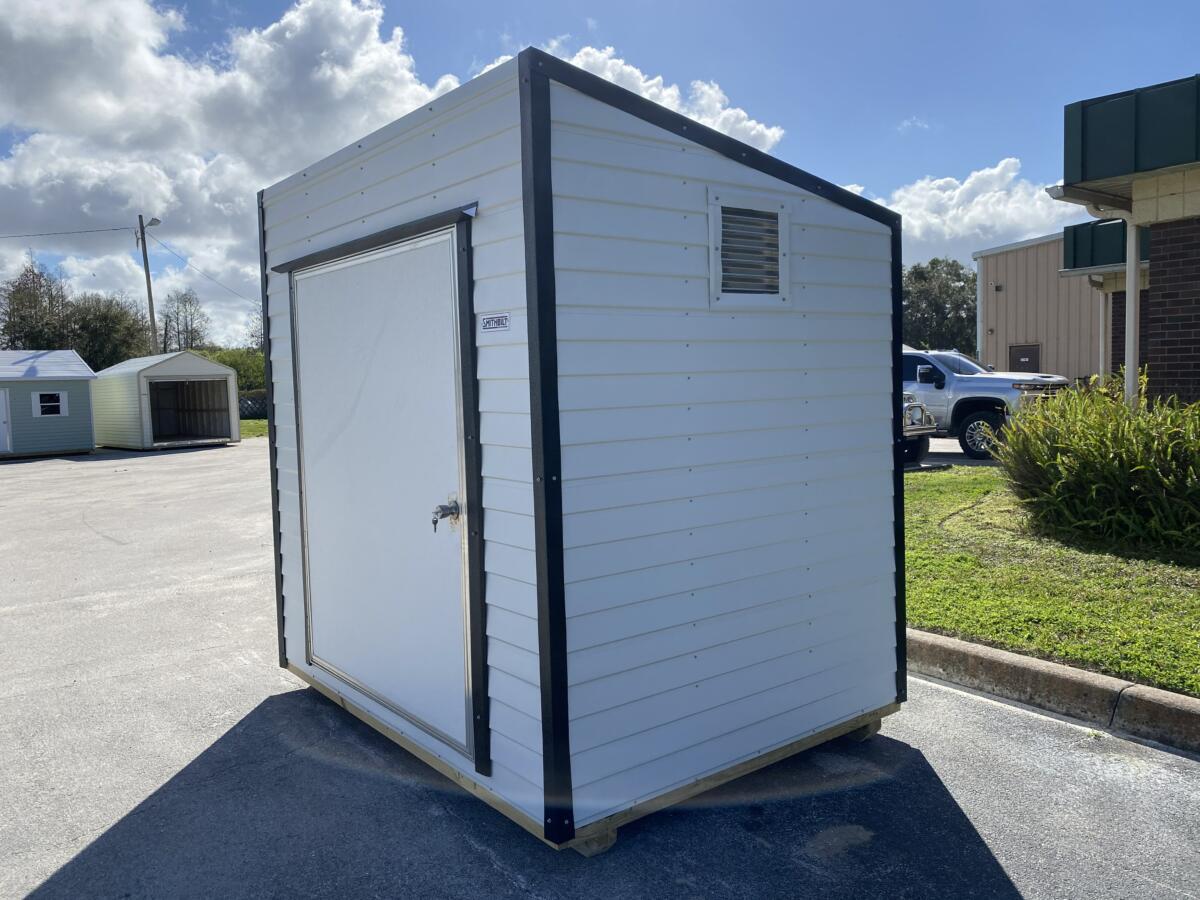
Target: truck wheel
{"x": 915, "y": 449}
{"x": 977, "y": 434}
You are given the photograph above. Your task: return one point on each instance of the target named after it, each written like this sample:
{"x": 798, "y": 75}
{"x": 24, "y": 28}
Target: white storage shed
{"x": 179, "y": 399}
{"x": 584, "y": 447}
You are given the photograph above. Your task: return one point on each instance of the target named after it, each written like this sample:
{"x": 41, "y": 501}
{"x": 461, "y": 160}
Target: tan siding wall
{"x": 1036, "y": 305}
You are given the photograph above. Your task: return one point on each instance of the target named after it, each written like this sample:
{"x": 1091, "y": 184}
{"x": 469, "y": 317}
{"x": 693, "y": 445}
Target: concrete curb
{"x": 1109, "y": 703}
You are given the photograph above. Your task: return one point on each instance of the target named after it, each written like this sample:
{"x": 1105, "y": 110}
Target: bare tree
{"x": 254, "y": 330}
{"x": 185, "y": 323}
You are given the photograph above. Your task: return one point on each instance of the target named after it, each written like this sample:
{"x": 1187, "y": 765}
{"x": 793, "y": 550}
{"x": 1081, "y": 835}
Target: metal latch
{"x": 445, "y": 511}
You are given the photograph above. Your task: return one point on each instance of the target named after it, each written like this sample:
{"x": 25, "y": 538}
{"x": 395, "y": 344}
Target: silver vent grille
{"x": 749, "y": 251}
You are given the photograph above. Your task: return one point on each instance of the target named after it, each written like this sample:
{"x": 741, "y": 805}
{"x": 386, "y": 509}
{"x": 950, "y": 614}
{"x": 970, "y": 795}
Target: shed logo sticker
{"x": 494, "y": 322}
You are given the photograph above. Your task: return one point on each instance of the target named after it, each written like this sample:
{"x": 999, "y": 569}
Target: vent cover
{"x": 749, "y": 251}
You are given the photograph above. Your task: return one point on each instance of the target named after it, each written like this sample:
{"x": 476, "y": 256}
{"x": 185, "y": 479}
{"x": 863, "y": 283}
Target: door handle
{"x": 445, "y": 511}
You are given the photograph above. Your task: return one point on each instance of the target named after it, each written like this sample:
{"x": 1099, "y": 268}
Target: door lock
{"x": 449, "y": 510}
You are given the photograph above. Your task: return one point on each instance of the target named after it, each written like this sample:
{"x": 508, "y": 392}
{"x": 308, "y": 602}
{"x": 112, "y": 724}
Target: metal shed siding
{"x": 1036, "y": 305}
{"x": 727, "y": 475}
{"x": 117, "y": 410}
{"x": 50, "y": 434}
{"x": 457, "y": 150}
{"x": 121, "y": 396}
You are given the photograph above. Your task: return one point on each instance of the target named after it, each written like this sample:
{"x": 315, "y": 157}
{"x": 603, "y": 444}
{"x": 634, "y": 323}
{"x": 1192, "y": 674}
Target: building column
{"x": 1133, "y": 293}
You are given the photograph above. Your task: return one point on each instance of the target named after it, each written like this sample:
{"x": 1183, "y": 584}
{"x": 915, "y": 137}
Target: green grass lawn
{"x": 976, "y": 571}
{"x": 254, "y": 428}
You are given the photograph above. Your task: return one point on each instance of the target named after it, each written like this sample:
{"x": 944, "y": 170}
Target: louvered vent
{"x": 749, "y": 251}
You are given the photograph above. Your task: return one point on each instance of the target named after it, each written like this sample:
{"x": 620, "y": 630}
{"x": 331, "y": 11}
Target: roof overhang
{"x": 1121, "y": 197}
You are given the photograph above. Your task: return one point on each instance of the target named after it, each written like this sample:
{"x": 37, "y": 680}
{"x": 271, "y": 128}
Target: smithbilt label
{"x": 493, "y": 322}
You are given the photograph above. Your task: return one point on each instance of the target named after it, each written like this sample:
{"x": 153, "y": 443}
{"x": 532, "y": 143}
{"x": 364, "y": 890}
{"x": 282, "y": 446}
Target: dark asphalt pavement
{"x": 149, "y": 747}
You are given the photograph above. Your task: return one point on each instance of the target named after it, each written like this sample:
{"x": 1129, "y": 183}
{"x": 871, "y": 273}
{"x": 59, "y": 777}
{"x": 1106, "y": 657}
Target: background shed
{"x": 45, "y": 402}
{"x": 176, "y": 399}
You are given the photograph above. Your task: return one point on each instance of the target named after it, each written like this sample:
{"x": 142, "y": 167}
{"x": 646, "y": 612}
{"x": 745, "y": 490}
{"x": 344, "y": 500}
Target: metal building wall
{"x": 727, "y": 474}
{"x": 456, "y": 150}
{"x": 1064, "y": 316}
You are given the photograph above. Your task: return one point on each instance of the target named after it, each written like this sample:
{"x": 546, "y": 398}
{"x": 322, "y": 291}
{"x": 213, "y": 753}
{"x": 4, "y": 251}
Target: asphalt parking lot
{"x": 150, "y": 747}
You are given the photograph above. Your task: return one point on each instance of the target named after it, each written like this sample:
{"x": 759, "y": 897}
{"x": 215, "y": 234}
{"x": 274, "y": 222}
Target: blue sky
{"x": 950, "y": 113}
{"x": 976, "y": 81}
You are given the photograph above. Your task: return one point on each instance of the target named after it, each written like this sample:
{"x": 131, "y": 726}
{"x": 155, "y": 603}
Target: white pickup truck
{"x": 967, "y": 400}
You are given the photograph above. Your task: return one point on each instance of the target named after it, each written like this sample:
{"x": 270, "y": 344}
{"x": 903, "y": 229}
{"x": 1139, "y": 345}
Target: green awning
{"x": 1094, "y": 244}
{"x": 1135, "y": 131}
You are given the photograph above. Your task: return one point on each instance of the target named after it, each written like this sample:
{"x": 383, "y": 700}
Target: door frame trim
{"x": 458, "y": 221}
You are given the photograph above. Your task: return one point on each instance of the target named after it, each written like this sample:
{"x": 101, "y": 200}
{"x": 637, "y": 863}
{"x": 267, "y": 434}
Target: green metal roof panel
{"x": 1166, "y": 125}
{"x": 1135, "y": 131}
{"x": 1099, "y": 244}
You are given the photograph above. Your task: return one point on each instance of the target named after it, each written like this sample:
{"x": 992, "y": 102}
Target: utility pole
{"x": 149, "y": 291}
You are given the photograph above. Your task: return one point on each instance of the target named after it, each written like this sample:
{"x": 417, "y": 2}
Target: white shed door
{"x": 376, "y": 362}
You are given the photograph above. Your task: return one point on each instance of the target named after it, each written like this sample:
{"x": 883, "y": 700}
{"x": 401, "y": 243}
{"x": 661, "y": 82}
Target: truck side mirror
{"x": 925, "y": 375}
{"x": 991, "y": 368}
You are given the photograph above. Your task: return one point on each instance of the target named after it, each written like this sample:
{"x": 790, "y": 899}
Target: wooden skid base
{"x": 610, "y": 824}
{"x": 594, "y": 839}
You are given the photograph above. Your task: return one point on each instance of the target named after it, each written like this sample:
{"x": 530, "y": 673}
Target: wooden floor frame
{"x": 600, "y": 835}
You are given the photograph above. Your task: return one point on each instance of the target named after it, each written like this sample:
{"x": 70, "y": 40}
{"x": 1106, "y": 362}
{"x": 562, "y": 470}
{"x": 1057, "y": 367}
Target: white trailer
{"x": 584, "y": 449}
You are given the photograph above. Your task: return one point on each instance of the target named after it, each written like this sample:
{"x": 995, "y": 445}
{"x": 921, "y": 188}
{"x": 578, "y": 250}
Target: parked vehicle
{"x": 968, "y": 401}
{"x": 918, "y": 425}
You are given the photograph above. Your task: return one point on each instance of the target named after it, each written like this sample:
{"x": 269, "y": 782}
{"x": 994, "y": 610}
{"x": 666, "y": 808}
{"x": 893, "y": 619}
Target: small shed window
{"x": 749, "y": 259}
{"x": 49, "y": 403}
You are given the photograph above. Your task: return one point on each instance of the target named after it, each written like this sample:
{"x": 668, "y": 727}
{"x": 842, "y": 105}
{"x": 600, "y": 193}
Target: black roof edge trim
{"x": 625, "y": 100}
{"x": 380, "y": 238}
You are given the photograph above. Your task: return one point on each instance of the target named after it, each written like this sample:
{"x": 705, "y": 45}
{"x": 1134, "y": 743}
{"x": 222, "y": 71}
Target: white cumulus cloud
{"x": 113, "y": 121}
{"x": 951, "y": 217}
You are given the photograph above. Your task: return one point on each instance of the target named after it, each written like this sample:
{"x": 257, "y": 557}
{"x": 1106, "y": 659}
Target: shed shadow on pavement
{"x": 300, "y": 799}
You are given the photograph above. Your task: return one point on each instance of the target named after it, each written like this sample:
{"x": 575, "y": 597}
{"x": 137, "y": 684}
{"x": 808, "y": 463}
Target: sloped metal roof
{"x": 141, "y": 363}
{"x": 44, "y": 365}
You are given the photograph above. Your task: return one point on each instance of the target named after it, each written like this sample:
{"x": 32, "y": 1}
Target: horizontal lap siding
{"x": 49, "y": 434}
{"x": 727, "y": 487}
{"x": 423, "y": 164}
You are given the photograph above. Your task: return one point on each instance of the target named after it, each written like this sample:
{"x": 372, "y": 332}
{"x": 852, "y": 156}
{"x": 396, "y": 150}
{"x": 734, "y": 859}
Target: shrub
{"x": 1084, "y": 462}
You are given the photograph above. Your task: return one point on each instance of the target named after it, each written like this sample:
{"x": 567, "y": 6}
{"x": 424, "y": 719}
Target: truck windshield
{"x": 959, "y": 364}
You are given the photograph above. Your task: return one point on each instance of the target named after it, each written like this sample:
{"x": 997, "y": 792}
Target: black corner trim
{"x": 378, "y": 239}
{"x": 538, "y": 203}
{"x": 898, "y": 461}
{"x": 606, "y": 92}
{"x": 271, "y": 443}
{"x": 481, "y": 730}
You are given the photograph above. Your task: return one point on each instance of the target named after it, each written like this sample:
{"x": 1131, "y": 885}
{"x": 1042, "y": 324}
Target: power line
{"x": 184, "y": 260}
{"x": 56, "y": 233}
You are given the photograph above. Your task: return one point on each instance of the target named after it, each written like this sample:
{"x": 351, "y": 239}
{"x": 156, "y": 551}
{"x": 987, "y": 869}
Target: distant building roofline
{"x": 1017, "y": 245}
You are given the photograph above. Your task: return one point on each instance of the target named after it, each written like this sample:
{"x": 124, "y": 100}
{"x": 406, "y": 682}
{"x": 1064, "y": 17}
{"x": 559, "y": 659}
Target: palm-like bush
{"x": 1083, "y": 462}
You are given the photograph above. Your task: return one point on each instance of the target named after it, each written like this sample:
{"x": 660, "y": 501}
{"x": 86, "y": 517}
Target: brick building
{"x": 1133, "y": 159}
